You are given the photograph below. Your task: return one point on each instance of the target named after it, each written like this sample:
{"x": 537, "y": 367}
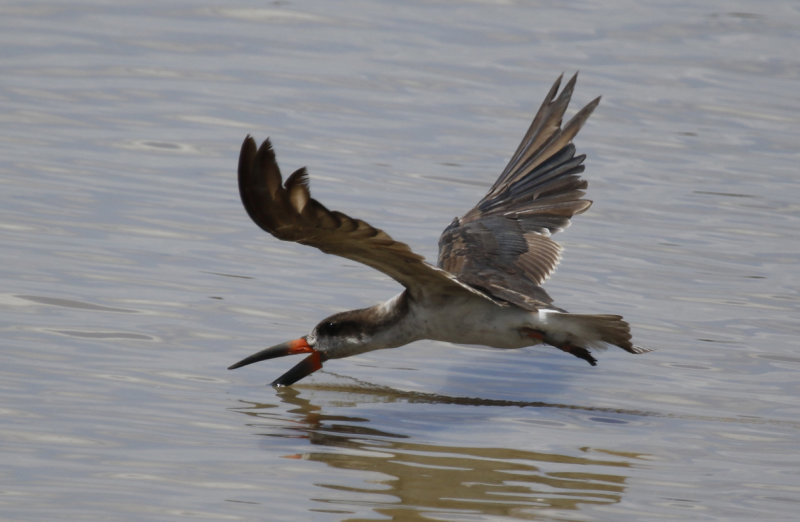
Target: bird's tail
{"x": 590, "y": 331}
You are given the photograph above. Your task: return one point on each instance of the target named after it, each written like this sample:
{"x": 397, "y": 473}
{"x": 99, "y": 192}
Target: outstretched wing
{"x": 287, "y": 211}
{"x": 503, "y": 244}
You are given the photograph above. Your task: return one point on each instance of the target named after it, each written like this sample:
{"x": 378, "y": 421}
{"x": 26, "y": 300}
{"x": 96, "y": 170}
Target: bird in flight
{"x": 486, "y": 286}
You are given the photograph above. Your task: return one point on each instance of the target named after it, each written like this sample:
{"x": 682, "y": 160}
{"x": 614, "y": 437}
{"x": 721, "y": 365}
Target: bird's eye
{"x": 329, "y": 328}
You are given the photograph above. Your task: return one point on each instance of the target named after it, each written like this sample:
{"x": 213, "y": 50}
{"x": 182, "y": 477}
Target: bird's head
{"x": 340, "y": 335}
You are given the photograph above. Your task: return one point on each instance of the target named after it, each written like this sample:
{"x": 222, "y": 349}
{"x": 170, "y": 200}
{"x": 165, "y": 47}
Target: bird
{"x": 485, "y": 289}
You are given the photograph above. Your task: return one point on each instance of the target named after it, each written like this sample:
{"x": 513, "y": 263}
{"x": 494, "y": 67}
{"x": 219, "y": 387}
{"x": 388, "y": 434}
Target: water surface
{"x": 132, "y": 277}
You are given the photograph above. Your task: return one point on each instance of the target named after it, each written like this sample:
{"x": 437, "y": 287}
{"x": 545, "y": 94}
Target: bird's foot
{"x": 579, "y": 352}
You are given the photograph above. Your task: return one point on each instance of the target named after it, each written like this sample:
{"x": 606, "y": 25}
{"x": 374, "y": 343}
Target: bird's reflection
{"x": 436, "y": 479}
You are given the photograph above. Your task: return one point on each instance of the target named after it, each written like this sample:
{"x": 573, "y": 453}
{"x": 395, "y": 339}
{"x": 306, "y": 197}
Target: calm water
{"x": 131, "y": 276}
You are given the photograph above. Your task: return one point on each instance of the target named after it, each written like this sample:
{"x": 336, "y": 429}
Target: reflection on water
{"x": 430, "y": 478}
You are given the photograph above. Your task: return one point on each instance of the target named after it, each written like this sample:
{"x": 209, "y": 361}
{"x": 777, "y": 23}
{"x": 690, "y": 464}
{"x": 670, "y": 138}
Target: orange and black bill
{"x": 304, "y": 368}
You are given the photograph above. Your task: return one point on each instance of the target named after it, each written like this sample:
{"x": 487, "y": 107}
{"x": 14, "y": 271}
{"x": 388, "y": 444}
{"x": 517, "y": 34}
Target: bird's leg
{"x": 534, "y": 334}
{"x": 577, "y": 351}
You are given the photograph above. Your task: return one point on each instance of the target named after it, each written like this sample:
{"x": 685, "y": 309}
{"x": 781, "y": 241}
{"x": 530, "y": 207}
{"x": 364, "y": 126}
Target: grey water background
{"x": 131, "y": 276}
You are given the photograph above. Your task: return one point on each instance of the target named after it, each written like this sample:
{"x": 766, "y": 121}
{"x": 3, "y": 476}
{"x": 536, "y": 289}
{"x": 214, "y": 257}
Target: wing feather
{"x": 288, "y": 212}
{"x": 503, "y": 244}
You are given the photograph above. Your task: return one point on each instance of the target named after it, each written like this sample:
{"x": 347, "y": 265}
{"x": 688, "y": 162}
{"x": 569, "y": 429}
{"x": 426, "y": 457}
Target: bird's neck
{"x": 391, "y": 323}
{"x": 385, "y": 325}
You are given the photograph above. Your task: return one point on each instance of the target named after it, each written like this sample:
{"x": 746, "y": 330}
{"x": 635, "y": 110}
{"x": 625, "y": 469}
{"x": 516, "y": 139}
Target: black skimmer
{"x": 486, "y": 287}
